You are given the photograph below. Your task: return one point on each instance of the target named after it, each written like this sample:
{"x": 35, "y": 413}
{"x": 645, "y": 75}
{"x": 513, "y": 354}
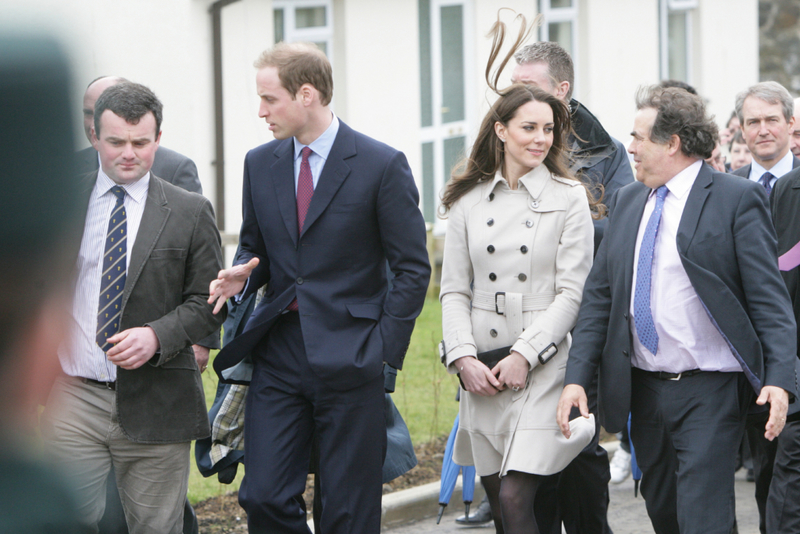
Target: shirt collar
{"x": 136, "y": 190}
{"x": 681, "y": 183}
{"x": 779, "y": 169}
{"x": 322, "y": 145}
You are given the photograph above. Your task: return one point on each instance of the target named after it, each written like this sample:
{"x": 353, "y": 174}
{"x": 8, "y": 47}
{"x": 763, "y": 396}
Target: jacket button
{"x": 625, "y": 353}
{"x": 299, "y": 281}
{"x": 491, "y": 197}
{"x": 522, "y": 277}
{"x": 490, "y": 222}
{"x": 524, "y": 249}
{"x": 490, "y": 248}
{"x": 492, "y": 277}
{"x": 529, "y": 223}
{"x": 493, "y": 332}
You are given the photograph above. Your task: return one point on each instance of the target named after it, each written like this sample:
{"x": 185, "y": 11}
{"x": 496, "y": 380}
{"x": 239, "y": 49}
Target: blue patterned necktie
{"x": 643, "y": 318}
{"x": 112, "y": 281}
{"x": 765, "y": 180}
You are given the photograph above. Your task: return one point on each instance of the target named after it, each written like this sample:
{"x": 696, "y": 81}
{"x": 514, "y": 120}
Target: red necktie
{"x": 305, "y": 190}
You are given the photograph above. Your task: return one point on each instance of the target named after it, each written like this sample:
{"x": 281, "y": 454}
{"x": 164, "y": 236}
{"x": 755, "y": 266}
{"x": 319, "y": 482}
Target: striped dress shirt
{"x": 80, "y": 355}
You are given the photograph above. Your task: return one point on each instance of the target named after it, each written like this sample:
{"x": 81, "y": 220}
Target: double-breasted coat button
{"x": 490, "y": 222}
{"x": 522, "y": 277}
{"x": 491, "y": 197}
{"x": 492, "y": 277}
{"x": 493, "y": 332}
{"x": 529, "y": 223}
{"x": 535, "y": 204}
{"x": 299, "y": 281}
{"x": 490, "y": 248}
{"x": 524, "y": 249}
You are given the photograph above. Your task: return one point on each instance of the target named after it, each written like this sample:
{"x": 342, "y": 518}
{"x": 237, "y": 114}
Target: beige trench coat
{"x": 515, "y": 262}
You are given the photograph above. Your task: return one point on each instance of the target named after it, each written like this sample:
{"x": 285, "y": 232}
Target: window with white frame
{"x": 675, "y": 32}
{"x": 561, "y": 26}
{"x": 304, "y": 20}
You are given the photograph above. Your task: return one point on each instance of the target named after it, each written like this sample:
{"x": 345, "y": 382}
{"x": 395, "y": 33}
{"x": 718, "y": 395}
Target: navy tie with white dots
{"x": 643, "y": 317}
{"x": 112, "y": 281}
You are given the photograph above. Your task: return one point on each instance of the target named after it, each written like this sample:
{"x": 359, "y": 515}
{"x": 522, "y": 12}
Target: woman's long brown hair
{"x": 487, "y": 155}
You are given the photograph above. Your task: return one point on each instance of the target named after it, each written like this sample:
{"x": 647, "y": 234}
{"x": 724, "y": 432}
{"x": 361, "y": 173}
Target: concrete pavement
{"x": 626, "y": 515}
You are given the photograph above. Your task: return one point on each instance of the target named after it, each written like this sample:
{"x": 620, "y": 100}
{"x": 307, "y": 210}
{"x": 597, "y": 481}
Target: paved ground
{"x": 626, "y": 515}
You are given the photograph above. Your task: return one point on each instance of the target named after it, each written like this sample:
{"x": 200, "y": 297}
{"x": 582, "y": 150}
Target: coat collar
{"x": 534, "y": 181}
{"x": 694, "y": 207}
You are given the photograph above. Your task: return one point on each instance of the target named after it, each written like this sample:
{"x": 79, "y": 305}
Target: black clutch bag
{"x": 491, "y": 357}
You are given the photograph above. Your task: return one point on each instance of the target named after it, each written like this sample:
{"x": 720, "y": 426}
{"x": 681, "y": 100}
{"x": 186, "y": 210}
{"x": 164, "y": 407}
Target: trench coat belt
{"x": 496, "y": 302}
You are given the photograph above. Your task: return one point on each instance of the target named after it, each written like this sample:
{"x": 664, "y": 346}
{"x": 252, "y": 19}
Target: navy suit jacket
{"x": 364, "y": 212}
{"x": 728, "y": 248}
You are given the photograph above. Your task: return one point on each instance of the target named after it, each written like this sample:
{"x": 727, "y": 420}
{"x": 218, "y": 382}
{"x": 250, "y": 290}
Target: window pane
{"x": 452, "y": 64}
{"x": 677, "y": 46}
{"x": 428, "y": 187}
{"x": 309, "y": 17}
{"x": 561, "y": 33}
{"x": 425, "y": 74}
{"x": 277, "y": 20}
{"x": 453, "y": 152}
{"x": 560, "y": 3}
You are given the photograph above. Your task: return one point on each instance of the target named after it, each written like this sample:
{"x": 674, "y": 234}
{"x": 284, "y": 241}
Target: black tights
{"x": 513, "y": 497}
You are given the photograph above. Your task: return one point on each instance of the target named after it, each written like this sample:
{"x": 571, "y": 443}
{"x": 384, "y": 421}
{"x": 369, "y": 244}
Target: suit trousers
{"x": 577, "y": 497}
{"x": 763, "y": 454}
{"x": 80, "y": 426}
{"x": 686, "y": 434}
{"x": 783, "y": 503}
{"x": 285, "y": 404}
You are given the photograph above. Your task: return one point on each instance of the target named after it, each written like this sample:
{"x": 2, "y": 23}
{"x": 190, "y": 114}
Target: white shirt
{"x": 687, "y": 337}
{"x": 779, "y": 169}
{"x": 320, "y": 148}
{"x": 80, "y": 355}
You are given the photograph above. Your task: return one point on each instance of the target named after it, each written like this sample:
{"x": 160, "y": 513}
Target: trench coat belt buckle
{"x": 496, "y": 302}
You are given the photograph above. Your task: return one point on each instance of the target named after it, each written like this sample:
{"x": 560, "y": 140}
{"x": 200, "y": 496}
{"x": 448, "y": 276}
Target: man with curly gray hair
{"x": 686, "y": 317}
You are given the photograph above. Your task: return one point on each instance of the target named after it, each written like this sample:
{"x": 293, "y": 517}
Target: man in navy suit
{"x": 686, "y": 317}
{"x": 324, "y": 208}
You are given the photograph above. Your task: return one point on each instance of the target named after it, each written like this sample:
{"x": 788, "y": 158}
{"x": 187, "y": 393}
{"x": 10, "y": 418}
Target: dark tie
{"x": 765, "y": 180}
{"x": 305, "y": 190}
{"x": 643, "y": 317}
{"x": 112, "y": 281}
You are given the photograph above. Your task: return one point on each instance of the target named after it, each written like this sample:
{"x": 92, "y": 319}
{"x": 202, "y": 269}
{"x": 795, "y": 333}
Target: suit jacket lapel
{"x": 630, "y": 229}
{"x": 155, "y": 215}
{"x": 333, "y": 174}
{"x": 693, "y": 208}
{"x": 282, "y": 176}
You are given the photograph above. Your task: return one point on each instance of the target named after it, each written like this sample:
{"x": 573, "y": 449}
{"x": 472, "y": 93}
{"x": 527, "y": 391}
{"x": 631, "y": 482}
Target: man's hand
{"x": 477, "y": 377}
{"x": 573, "y": 395}
{"x": 229, "y": 282}
{"x": 778, "y": 400}
{"x": 201, "y": 355}
{"x": 133, "y": 347}
{"x": 512, "y": 371}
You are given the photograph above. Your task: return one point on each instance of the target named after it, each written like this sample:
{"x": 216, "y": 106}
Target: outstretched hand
{"x": 229, "y": 282}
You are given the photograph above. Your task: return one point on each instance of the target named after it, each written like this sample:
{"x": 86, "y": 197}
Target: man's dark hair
{"x": 679, "y": 84}
{"x": 128, "y": 100}
{"x": 559, "y": 63}
{"x": 683, "y": 114}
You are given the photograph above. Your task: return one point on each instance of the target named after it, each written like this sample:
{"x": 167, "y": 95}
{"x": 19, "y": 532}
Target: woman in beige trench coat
{"x": 517, "y": 252}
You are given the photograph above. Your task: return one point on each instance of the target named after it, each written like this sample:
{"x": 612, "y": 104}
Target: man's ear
{"x": 306, "y": 94}
{"x": 562, "y": 89}
{"x": 95, "y": 140}
{"x": 674, "y": 144}
{"x": 158, "y": 137}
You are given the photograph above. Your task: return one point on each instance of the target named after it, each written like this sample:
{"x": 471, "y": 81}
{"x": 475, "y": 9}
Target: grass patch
{"x": 425, "y": 396}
